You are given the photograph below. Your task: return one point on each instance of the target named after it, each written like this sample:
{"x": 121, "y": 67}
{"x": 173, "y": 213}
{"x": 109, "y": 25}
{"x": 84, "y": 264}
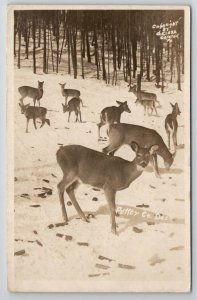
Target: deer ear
{"x": 134, "y": 146}
{"x": 20, "y": 104}
{"x": 119, "y": 102}
{"x": 153, "y": 149}
{"x": 63, "y": 105}
{"x": 172, "y": 105}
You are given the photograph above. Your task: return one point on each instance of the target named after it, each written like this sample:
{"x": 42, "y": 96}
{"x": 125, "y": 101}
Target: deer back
{"x": 120, "y": 134}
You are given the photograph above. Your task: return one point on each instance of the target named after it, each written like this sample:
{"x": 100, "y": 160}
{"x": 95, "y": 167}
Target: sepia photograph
{"x": 98, "y": 137}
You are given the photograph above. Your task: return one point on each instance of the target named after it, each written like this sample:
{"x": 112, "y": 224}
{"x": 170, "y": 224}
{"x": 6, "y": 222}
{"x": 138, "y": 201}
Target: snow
{"x": 35, "y": 160}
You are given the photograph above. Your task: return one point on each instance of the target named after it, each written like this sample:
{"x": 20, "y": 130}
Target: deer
{"x": 73, "y": 105}
{"x": 171, "y": 124}
{"x": 147, "y": 100}
{"x": 31, "y": 92}
{"x": 112, "y": 114}
{"x": 110, "y": 173}
{"x": 123, "y": 134}
{"x": 69, "y": 93}
{"x": 34, "y": 112}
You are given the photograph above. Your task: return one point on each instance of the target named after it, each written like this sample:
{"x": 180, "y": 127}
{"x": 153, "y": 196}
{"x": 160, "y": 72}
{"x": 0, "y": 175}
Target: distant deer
{"x": 124, "y": 134}
{"x": 31, "y": 92}
{"x": 147, "y": 100}
{"x": 171, "y": 124}
{"x": 73, "y": 105}
{"x": 34, "y": 112}
{"x": 112, "y": 114}
{"x": 69, "y": 93}
{"x": 112, "y": 174}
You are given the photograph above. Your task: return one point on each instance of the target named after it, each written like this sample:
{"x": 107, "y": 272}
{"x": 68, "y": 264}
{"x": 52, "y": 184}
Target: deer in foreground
{"x": 124, "y": 134}
{"x": 69, "y": 93}
{"x": 73, "y": 105}
{"x": 147, "y": 100}
{"x": 171, "y": 124}
{"x": 112, "y": 114}
{"x": 31, "y": 92}
{"x": 34, "y": 112}
{"x": 112, "y": 174}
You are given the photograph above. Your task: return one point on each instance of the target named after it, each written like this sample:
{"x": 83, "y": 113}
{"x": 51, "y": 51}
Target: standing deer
{"x": 31, "y": 92}
{"x": 112, "y": 174}
{"x": 112, "y": 114}
{"x": 121, "y": 134}
{"x": 171, "y": 124}
{"x": 147, "y": 100}
{"x": 69, "y": 93}
{"x": 73, "y": 105}
{"x": 33, "y": 112}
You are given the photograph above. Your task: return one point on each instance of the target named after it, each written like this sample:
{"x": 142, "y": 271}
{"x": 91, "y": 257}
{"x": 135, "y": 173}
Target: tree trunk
{"x": 68, "y": 43}
{"x": 74, "y": 52}
{"x": 34, "y": 44}
{"x": 19, "y": 47}
{"x": 88, "y": 48}
{"x": 157, "y": 60}
{"x": 171, "y": 62}
{"x": 178, "y": 65}
{"x": 138, "y": 82}
{"x": 45, "y": 49}
{"x": 39, "y": 34}
{"x": 82, "y": 53}
{"x": 141, "y": 57}
{"x": 134, "y": 49}
{"x": 96, "y": 54}
{"x": 51, "y": 39}
{"x": 103, "y": 54}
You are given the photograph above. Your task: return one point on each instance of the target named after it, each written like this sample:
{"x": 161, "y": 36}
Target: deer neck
{"x": 164, "y": 152}
{"x": 134, "y": 171}
{"x": 121, "y": 109}
{"x": 174, "y": 115}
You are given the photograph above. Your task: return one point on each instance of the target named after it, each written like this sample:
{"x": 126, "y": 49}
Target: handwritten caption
{"x": 129, "y": 211}
{"x": 166, "y": 31}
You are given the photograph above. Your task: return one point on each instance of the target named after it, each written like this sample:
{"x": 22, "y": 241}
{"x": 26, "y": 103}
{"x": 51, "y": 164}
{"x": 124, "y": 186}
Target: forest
{"x": 111, "y": 45}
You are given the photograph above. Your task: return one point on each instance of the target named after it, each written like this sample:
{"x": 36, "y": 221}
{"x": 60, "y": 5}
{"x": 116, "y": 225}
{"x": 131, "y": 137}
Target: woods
{"x": 108, "y": 45}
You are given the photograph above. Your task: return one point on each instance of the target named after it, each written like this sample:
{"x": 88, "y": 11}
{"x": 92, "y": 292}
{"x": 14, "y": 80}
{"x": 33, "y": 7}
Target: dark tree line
{"x": 121, "y": 44}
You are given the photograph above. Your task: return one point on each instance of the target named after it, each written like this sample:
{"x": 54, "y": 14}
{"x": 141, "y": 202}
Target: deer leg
{"x": 111, "y": 149}
{"x": 99, "y": 128}
{"x": 168, "y": 134}
{"x": 156, "y": 166}
{"x": 71, "y": 194}
{"x": 43, "y": 122}
{"x": 65, "y": 100}
{"x": 76, "y": 114}
{"x": 110, "y": 197}
{"x": 34, "y": 121}
{"x": 69, "y": 116}
{"x": 34, "y": 100}
{"x": 80, "y": 116}
{"x": 144, "y": 110}
{"x": 174, "y": 139}
{"x": 61, "y": 186}
{"x": 27, "y": 125}
{"x": 155, "y": 110}
{"x": 39, "y": 102}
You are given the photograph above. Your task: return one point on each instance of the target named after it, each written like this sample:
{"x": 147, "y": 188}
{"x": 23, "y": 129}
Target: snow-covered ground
{"x": 154, "y": 246}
